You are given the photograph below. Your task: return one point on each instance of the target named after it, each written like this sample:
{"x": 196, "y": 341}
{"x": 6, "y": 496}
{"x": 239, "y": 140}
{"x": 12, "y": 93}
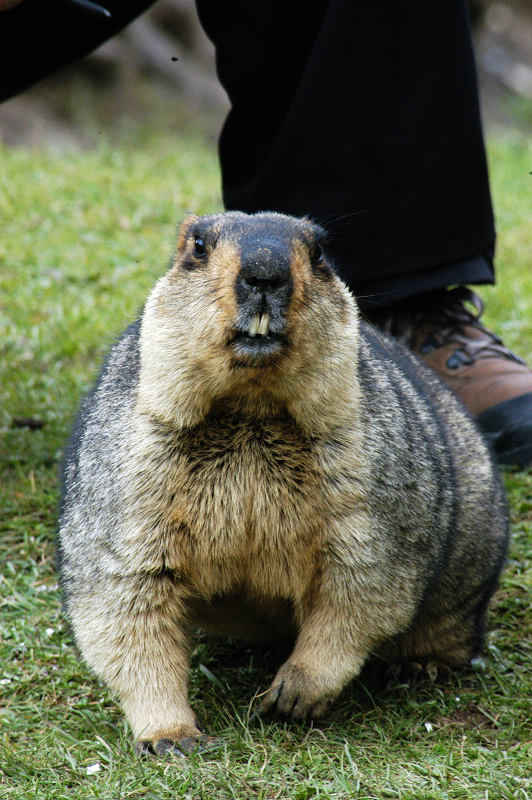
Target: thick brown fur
{"x": 312, "y": 482}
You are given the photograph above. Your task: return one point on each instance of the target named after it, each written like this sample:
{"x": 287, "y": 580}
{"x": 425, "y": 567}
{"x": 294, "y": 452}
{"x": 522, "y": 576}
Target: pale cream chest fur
{"x": 234, "y": 504}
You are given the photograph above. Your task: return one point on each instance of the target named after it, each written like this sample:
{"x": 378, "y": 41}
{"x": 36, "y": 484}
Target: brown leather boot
{"x": 444, "y": 328}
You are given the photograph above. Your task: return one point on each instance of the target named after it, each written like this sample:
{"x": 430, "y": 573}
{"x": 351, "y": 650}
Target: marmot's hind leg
{"x": 452, "y": 640}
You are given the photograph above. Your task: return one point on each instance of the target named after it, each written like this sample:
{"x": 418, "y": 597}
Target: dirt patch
{"x": 469, "y": 718}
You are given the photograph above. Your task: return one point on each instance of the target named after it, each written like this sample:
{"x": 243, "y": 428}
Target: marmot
{"x": 256, "y": 461}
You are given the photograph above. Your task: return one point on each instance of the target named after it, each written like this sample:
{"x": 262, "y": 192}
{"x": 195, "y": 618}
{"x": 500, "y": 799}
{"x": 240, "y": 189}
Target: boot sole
{"x": 508, "y": 428}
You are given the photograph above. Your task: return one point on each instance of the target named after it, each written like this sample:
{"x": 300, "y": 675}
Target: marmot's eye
{"x": 317, "y": 254}
{"x": 199, "y": 246}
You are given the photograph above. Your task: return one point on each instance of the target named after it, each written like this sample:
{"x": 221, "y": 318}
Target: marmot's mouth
{"x": 258, "y": 344}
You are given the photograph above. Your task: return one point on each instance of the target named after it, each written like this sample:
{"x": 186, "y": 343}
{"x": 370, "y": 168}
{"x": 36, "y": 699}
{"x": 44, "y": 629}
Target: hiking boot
{"x": 444, "y": 328}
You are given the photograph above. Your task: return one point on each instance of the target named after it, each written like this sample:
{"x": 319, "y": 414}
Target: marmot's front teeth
{"x": 259, "y": 324}
{"x": 264, "y": 325}
{"x": 254, "y": 326}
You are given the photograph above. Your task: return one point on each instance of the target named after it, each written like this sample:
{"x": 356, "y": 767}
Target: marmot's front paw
{"x": 180, "y": 746}
{"x": 295, "y": 693}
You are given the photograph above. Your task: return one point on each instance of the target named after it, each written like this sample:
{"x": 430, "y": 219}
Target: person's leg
{"x": 366, "y": 118}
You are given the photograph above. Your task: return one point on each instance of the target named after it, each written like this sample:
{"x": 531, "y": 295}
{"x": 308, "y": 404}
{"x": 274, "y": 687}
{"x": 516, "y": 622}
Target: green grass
{"x": 84, "y": 236}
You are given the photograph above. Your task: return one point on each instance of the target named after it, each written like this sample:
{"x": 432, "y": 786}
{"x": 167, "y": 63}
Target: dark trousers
{"x": 364, "y": 116}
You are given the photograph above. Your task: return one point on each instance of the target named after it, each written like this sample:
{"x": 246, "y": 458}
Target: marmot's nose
{"x": 264, "y": 272}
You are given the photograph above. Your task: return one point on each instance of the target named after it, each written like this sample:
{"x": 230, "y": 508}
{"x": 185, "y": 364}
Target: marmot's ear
{"x": 184, "y": 231}
{"x": 320, "y": 232}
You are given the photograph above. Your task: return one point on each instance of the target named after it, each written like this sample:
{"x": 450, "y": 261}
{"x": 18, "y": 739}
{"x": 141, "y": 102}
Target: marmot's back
{"x": 255, "y": 461}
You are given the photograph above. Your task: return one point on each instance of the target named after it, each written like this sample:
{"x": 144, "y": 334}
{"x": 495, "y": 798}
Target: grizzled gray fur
{"x": 256, "y": 461}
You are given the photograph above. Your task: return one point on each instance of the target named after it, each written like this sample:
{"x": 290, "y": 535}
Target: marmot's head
{"x": 250, "y": 309}
{"x": 263, "y": 268}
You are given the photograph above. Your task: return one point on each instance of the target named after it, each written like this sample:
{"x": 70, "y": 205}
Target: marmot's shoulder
{"x": 113, "y": 390}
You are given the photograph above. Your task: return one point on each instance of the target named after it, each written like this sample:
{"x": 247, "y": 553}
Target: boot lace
{"x": 447, "y": 315}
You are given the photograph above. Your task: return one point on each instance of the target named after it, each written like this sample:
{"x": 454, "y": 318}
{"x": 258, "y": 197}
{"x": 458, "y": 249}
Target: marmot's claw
{"x": 412, "y": 673}
{"x": 295, "y": 695}
{"x": 169, "y": 747}
{"x": 255, "y": 716}
{"x": 270, "y": 699}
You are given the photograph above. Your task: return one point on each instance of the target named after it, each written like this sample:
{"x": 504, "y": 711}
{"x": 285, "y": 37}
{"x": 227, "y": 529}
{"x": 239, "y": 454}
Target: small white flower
{"x": 429, "y": 727}
{"x": 5, "y": 681}
{"x": 92, "y": 768}
{"x": 49, "y": 631}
